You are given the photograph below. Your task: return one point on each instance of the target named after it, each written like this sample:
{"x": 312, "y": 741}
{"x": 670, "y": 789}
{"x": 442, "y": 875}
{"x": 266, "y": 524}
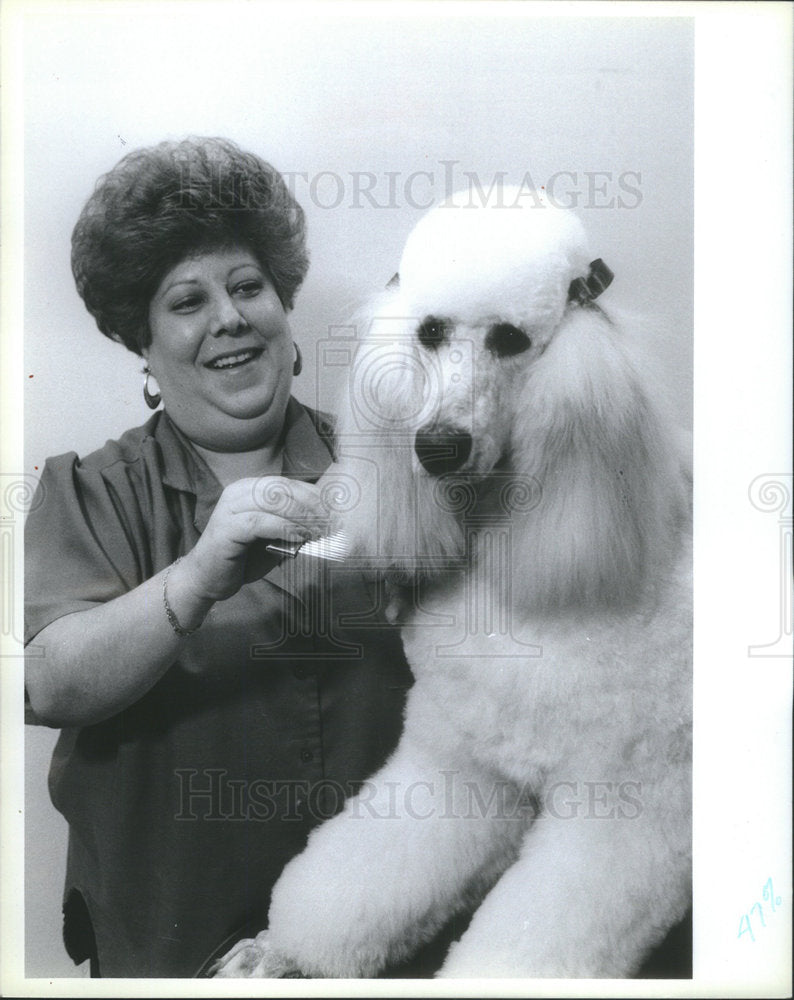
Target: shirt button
{"x": 306, "y": 756}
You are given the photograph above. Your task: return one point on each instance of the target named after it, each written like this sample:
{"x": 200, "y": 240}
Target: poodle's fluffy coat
{"x": 544, "y": 767}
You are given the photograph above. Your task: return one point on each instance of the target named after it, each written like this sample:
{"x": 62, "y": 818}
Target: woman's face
{"x": 221, "y": 350}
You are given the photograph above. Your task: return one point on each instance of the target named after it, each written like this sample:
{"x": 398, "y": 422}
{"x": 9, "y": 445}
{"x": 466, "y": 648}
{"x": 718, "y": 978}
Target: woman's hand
{"x": 231, "y": 550}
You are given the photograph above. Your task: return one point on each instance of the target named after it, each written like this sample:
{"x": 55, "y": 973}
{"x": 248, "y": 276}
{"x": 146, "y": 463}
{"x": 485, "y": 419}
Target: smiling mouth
{"x": 227, "y": 361}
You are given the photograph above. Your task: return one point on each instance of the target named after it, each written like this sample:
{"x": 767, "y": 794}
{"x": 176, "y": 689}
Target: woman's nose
{"x": 226, "y": 317}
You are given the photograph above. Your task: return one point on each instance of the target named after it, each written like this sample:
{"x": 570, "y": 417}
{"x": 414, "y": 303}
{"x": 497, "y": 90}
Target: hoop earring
{"x": 152, "y": 399}
{"x": 297, "y": 368}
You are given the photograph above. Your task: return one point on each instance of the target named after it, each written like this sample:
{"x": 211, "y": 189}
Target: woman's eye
{"x": 249, "y": 288}
{"x": 187, "y": 304}
{"x": 504, "y": 340}
{"x": 431, "y": 332}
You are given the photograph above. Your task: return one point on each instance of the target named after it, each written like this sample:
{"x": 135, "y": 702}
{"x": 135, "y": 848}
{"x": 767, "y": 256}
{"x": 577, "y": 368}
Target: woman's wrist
{"x": 183, "y": 605}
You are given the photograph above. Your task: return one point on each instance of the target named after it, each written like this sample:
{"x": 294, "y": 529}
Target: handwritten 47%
{"x": 746, "y": 924}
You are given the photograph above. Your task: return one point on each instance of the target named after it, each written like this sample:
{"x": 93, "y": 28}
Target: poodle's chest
{"x": 528, "y": 695}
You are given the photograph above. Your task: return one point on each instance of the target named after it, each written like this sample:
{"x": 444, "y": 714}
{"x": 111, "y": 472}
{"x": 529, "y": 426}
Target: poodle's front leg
{"x": 588, "y": 897}
{"x": 375, "y": 882}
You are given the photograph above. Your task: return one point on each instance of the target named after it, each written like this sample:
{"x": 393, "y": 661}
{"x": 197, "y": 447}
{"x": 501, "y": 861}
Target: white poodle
{"x": 513, "y": 467}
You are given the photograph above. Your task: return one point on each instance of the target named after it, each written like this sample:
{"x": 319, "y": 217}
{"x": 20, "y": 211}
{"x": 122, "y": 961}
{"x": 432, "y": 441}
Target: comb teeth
{"x": 331, "y": 547}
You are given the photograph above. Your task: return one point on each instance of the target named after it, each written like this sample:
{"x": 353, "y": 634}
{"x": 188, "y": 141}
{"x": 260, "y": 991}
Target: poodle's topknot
{"x": 513, "y": 256}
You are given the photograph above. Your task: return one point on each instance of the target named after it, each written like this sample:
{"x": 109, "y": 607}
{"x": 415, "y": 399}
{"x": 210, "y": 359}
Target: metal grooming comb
{"x": 331, "y": 547}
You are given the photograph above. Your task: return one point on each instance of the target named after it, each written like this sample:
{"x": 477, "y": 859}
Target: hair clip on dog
{"x": 585, "y": 290}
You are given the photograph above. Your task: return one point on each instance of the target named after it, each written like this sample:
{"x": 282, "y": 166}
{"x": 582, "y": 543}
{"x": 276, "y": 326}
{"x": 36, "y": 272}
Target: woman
{"x": 212, "y": 707}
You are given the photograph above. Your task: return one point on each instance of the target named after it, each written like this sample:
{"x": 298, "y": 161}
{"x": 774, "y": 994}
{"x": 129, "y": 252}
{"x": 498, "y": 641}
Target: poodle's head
{"x": 488, "y": 386}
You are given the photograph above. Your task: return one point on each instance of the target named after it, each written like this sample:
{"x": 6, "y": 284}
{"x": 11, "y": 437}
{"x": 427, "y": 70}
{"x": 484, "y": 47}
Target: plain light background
{"x": 330, "y": 96}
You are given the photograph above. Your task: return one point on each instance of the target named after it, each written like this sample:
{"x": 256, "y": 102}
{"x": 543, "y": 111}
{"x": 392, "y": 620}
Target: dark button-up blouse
{"x": 184, "y": 808}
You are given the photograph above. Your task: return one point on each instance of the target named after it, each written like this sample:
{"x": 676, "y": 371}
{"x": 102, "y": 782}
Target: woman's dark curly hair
{"x": 162, "y": 204}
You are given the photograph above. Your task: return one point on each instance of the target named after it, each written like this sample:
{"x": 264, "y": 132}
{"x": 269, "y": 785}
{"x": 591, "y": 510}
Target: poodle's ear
{"x": 612, "y": 494}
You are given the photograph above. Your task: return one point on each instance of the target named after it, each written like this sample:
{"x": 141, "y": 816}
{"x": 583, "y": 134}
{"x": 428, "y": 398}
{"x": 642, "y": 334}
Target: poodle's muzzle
{"x": 442, "y": 449}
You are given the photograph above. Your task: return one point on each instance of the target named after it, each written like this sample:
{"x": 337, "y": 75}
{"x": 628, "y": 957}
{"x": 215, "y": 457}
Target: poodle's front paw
{"x": 254, "y": 958}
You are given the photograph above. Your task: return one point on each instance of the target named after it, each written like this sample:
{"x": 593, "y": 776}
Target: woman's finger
{"x": 290, "y": 499}
{"x": 259, "y": 525}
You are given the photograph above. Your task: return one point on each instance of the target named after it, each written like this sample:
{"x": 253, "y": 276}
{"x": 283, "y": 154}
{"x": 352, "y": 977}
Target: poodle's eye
{"x": 505, "y": 340}
{"x": 432, "y": 332}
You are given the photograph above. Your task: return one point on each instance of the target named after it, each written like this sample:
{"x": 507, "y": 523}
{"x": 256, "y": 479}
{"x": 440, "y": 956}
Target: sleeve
{"x": 83, "y": 541}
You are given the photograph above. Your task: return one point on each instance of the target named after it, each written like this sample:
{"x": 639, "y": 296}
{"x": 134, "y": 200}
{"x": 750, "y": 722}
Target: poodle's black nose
{"x": 442, "y": 449}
